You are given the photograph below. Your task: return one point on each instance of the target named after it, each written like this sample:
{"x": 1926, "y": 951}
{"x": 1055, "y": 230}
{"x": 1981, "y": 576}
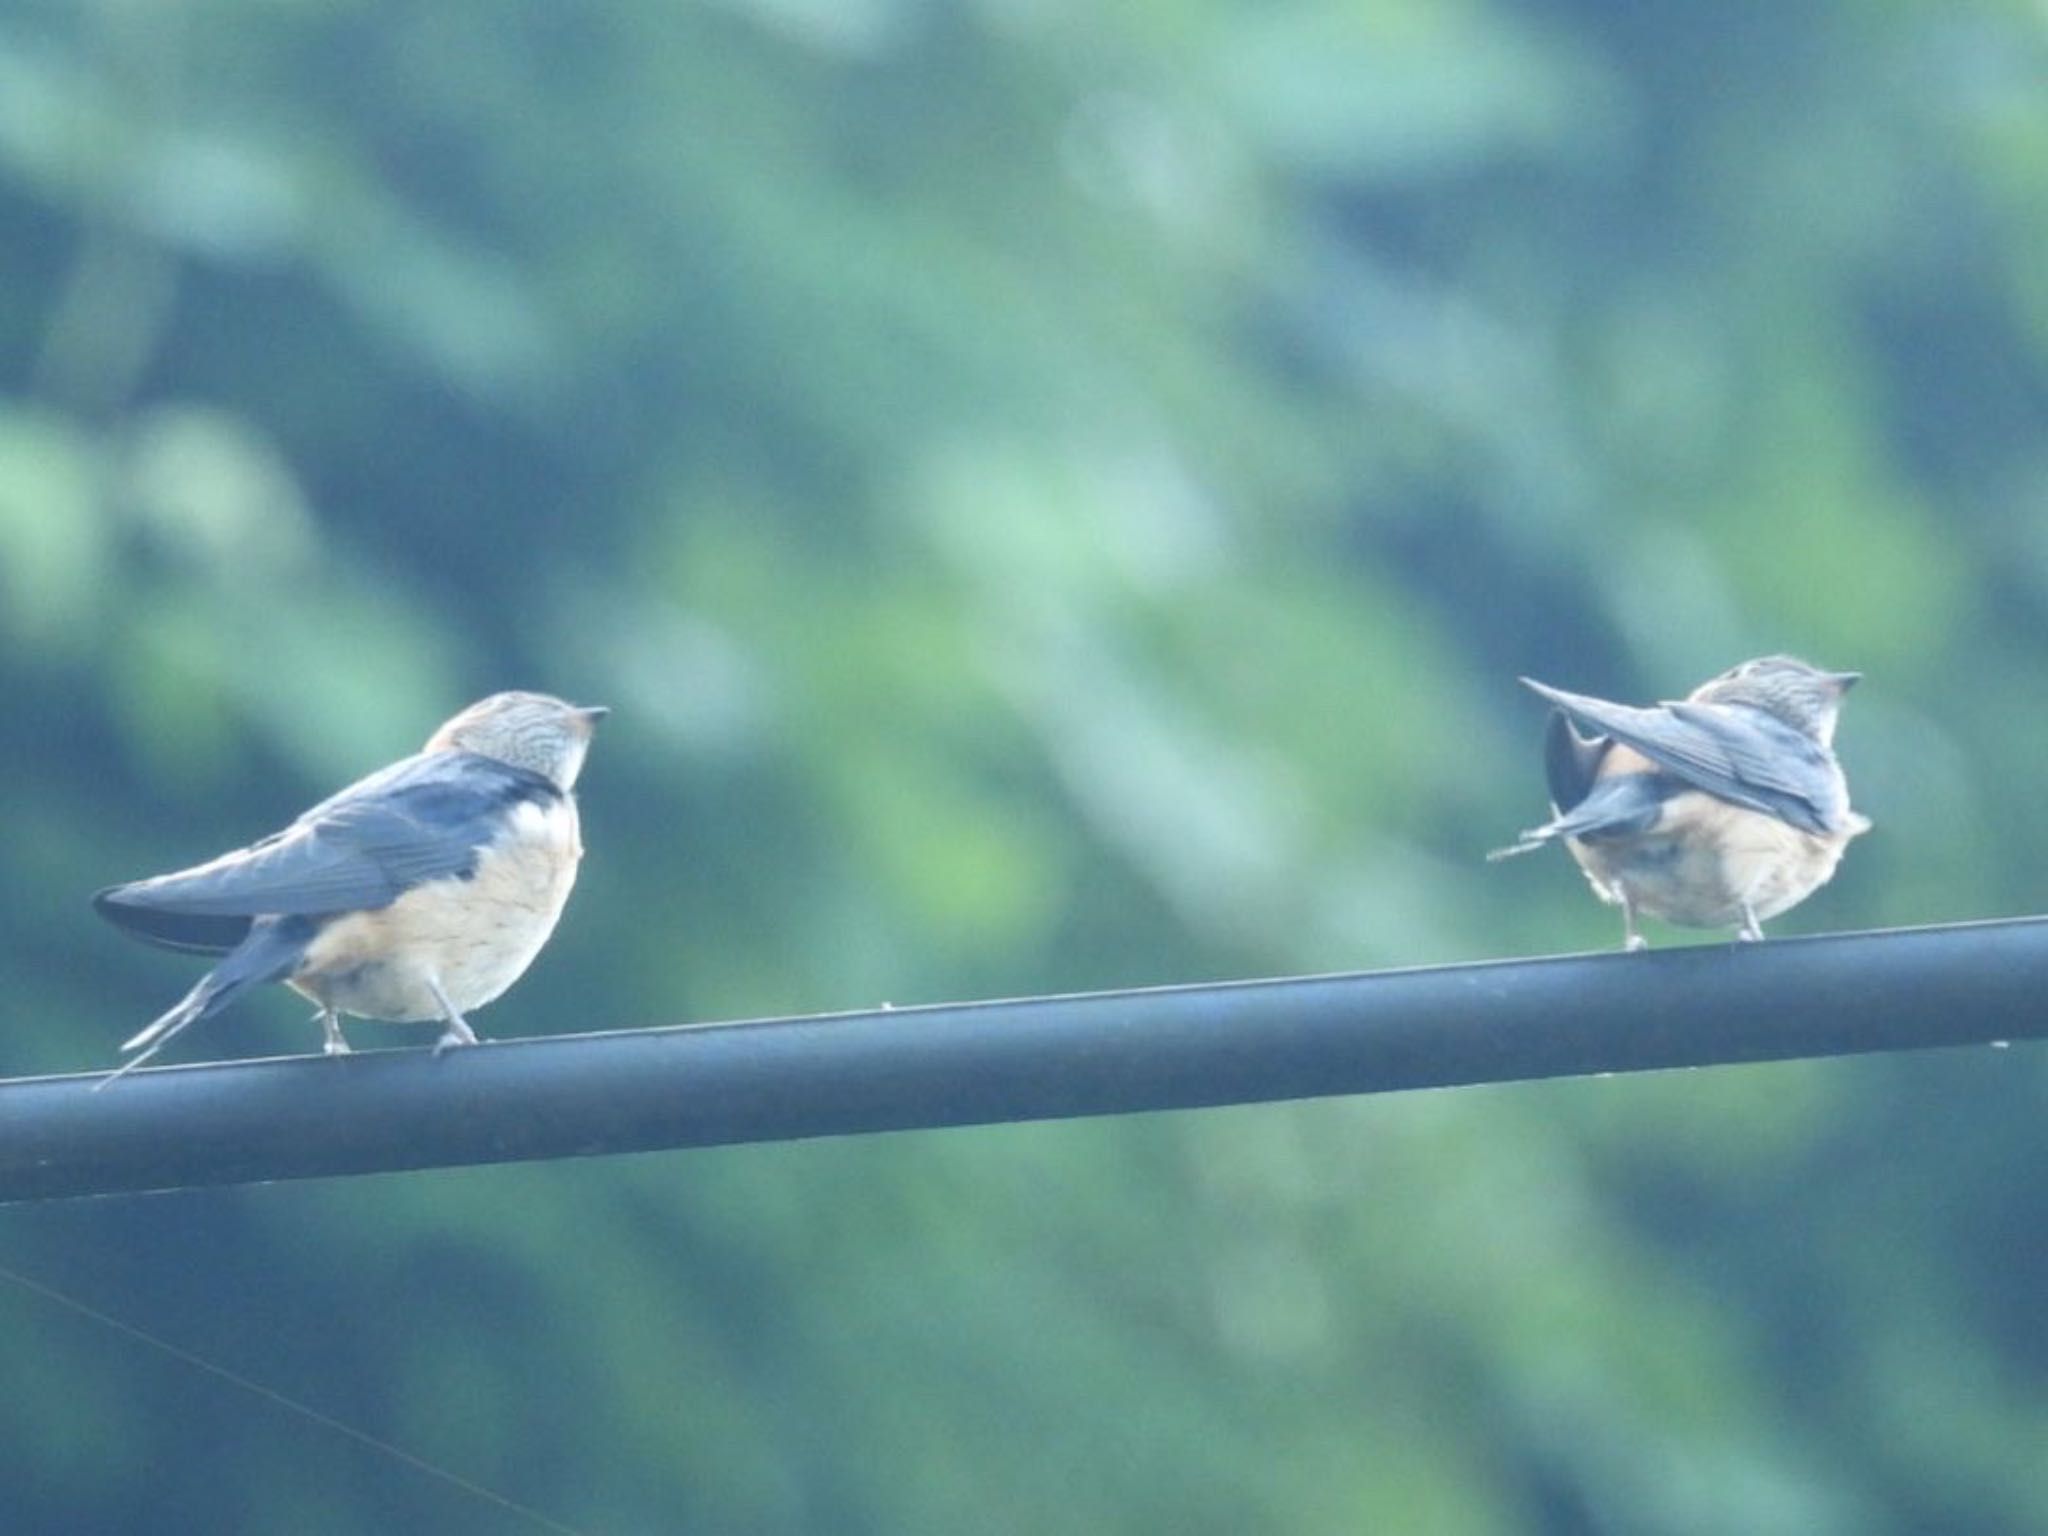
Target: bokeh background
{"x": 1057, "y": 495}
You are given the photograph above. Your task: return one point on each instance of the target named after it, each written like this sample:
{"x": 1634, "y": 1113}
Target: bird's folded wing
{"x": 1742, "y": 755}
{"x": 421, "y": 819}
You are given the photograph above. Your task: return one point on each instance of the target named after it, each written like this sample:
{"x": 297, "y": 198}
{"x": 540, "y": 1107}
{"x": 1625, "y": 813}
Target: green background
{"x": 1056, "y": 495}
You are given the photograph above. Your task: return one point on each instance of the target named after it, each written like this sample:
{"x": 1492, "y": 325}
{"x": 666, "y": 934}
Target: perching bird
{"x": 414, "y": 895}
{"x": 1720, "y": 811}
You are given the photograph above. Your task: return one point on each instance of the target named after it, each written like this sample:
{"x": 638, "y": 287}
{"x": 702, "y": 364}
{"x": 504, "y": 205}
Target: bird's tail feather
{"x": 1618, "y": 805}
{"x": 1528, "y": 842}
{"x": 270, "y": 951}
{"x": 193, "y": 1007}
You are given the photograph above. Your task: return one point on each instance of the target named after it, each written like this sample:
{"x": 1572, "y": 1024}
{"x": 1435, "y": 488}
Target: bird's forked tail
{"x": 1527, "y": 842}
{"x": 272, "y": 948}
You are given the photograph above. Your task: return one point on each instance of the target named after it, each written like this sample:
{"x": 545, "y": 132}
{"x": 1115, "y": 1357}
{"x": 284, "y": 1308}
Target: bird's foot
{"x": 331, "y": 1042}
{"x": 1633, "y": 943}
{"x": 458, "y": 1031}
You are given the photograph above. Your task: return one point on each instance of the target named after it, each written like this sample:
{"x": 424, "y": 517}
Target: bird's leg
{"x": 330, "y": 1030}
{"x": 1751, "y": 931}
{"x": 458, "y": 1031}
{"x": 1631, "y": 940}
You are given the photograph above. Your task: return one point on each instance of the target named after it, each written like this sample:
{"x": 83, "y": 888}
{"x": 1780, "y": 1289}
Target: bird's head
{"x": 527, "y": 730}
{"x": 1805, "y": 697}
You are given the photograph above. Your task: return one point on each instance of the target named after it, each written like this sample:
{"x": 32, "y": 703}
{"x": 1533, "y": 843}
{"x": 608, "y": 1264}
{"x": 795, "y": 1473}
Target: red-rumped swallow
{"x": 1720, "y": 811}
{"x": 412, "y": 896}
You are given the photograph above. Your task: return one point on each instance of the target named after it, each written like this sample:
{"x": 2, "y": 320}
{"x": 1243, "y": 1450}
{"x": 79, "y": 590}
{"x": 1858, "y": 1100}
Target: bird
{"x": 1724, "y": 809}
{"x": 414, "y": 895}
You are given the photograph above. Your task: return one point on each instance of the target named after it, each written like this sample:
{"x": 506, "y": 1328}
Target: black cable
{"x": 1034, "y": 1059}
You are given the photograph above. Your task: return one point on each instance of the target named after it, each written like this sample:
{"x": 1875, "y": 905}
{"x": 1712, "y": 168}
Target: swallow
{"x": 1722, "y": 810}
{"x": 414, "y": 895}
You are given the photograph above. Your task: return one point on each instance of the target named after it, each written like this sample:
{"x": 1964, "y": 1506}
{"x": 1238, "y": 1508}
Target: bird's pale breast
{"x": 1705, "y": 860}
{"x": 474, "y": 936}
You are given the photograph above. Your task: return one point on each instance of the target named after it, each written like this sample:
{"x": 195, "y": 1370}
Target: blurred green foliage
{"x": 1057, "y": 496}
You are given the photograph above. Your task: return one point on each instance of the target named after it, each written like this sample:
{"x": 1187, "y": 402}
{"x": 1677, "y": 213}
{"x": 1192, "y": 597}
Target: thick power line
{"x": 1033, "y": 1059}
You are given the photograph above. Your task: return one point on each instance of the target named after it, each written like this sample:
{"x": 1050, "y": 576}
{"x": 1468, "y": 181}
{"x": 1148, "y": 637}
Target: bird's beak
{"x": 1844, "y": 681}
{"x": 594, "y": 712}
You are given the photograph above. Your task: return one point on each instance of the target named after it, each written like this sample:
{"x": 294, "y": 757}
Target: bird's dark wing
{"x": 1571, "y": 762}
{"x": 1739, "y": 754}
{"x": 420, "y": 819}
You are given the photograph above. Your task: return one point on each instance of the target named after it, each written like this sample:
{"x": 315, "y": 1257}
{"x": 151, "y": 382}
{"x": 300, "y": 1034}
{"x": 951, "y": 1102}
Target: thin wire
{"x": 278, "y": 1399}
